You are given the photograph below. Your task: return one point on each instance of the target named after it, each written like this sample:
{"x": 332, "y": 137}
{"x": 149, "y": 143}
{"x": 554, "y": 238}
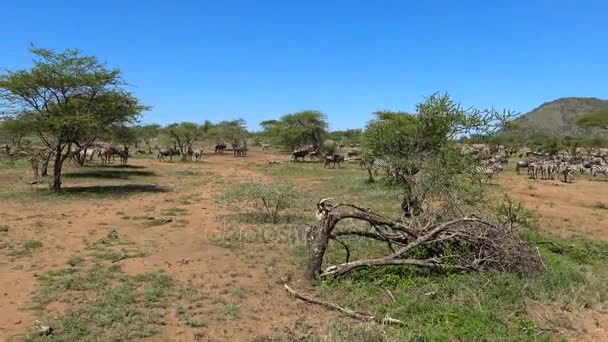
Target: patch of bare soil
{"x": 573, "y": 324}
{"x": 565, "y": 209}
{"x": 238, "y": 290}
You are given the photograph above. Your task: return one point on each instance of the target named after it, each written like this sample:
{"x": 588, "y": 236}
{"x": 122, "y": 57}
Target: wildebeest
{"x": 521, "y": 164}
{"x": 198, "y": 155}
{"x": 170, "y": 152}
{"x": 333, "y": 159}
{"x": 299, "y": 154}
{"x": 240, "y": 151}
{"x": 220, "y": 148}
{"x": 108, "y": 152}
{"x": 124, "y": 155}
{"x": 189, "y": 153}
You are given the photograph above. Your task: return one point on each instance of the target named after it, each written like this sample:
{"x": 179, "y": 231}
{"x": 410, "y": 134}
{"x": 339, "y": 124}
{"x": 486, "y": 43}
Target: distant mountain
{"x": 558, "y": 116}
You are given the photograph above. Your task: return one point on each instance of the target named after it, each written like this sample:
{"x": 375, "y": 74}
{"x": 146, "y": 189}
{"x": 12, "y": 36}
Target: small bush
{"x": 514, "y": 214}
{"x": 270, "y": 199}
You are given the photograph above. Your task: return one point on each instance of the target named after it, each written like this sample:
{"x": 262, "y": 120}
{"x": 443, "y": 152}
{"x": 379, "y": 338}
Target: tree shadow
{"x": 109, "y": 174}
{"x": 111, "y": 190}
{"x": 113, "y": 166}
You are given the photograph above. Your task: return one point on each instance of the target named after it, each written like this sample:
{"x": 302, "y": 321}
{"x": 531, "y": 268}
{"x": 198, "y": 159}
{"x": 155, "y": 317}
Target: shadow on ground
{"x": 113, "y": 166}
{"x": 114, "y": 173}
{"x": 110, "y": 190}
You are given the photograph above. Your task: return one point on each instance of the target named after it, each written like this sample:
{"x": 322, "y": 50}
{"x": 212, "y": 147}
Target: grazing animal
{"x": 333, "y": 159}
{"x": 265, "y": 147}
{"x": 167, "y": 152}
{"x": 352, "y": 153}
{"x": 568, "y": 171}
{"x": 198, "y": 155}
{"x": 314, "y": 154}
{"x": 596, "y": 169}
{"x": 490, "y": 170}
{"x": 220, "y": 148}
{"x": 124, "y": 155}
{"x": 189, "y": 153}
{"x": 107, "y": 153}
{"x": 299, "y": 154}
{"x": 521, "y": 164}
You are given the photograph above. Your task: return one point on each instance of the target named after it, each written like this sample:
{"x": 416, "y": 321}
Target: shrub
{"x": 270, "y": 199}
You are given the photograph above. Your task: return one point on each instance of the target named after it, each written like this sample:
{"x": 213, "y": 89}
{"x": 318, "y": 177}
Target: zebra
{"x": 488, "y": 171}
{"x": 595, "y": 169}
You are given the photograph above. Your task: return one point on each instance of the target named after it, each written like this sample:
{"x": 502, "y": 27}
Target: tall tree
{"x": 147, "y": 133}
{"x": 234, "y": 132}
{"x": 184, "y": 134}
{"x": 68, "y": 99}
{"x": 15, "y": 130}
{"x": 420, "y": 150}
{"x": 297, "y": 129}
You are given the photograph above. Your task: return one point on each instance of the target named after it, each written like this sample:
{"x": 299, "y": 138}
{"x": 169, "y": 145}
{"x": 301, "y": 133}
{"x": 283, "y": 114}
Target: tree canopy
{"x": 68, "y": 98}
{"x": 420, "y": 151}
{"x": 307, "y": 127}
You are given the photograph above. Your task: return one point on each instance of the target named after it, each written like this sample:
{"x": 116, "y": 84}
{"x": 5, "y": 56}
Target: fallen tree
{"x": 459, "y": 244}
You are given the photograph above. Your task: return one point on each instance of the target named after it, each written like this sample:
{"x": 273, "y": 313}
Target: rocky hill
{"x": 558, "y": 116}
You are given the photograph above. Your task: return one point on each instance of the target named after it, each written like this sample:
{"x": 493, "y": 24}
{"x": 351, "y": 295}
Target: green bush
{"x": 269, "y": 199}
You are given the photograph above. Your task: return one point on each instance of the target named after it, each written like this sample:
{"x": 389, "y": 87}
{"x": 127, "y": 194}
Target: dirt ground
{"x": 185, "y": 248}
{"x": 580, "y": 208}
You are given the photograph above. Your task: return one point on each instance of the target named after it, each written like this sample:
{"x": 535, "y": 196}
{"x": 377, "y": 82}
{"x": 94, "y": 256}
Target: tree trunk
{"x": 45, "y": 165}
{"x": 370, "y": 175}
{"x": 35, "y": 167}
{"x": 317, "y": 240}
{"x": 56, "y": 185}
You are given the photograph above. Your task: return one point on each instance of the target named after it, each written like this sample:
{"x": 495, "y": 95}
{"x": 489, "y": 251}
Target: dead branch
{"x": 480, "y": 245}
{"x": 350, "y": 313}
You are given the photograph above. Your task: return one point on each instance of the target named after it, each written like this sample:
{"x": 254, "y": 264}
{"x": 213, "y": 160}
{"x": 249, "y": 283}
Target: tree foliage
{"x": 68, "y": 99}
{"x": 307, "y": 127}
{"x": 184, "y": 134}
{"x": 233, "y": 132}
{"x": 270, "y": 199}
{"x": 15, "y": 130}
{"x": 420, "y": 152}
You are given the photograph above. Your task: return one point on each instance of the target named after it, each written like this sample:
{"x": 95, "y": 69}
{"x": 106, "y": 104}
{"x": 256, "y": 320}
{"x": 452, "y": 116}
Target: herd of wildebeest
{"x": 563, "y": 165}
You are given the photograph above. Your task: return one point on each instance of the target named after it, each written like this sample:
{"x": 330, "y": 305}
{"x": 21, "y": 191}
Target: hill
{"x": 558, "y": 116}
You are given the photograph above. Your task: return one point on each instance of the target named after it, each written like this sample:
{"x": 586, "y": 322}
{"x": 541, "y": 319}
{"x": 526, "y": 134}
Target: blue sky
{"x": 257, "y": 60}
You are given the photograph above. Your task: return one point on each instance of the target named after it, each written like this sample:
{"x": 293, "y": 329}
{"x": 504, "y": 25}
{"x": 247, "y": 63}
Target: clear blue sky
{"x": 197, "y": 60}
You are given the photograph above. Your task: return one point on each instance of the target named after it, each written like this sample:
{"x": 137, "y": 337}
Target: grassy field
{"x": 147, "y": 252}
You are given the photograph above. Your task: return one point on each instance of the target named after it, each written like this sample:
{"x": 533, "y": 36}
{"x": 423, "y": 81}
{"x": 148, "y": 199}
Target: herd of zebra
{"x": 105, "y": 153}
{"x": 564, "y": 167}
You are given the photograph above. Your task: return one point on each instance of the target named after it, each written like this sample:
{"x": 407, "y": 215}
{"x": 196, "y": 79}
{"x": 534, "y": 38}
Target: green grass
{"x": 105, "y": 304}
{"x": 174, "y": 211}
{"x": 439, "y": 306}
{"x": 27, "y": 248}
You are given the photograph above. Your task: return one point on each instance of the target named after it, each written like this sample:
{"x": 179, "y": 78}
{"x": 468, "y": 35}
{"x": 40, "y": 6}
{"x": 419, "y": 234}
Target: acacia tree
{"x": 437, "y": 181}
{"x": 234, "y": 131}
{"x": 420, "y": 150}
{"x": 147, "y": 133}
{"x": 297, "y": 129}
{"x": 68, "y": 99}
{"x": 184, "y": 134}
{"x": 15, "y": 130}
